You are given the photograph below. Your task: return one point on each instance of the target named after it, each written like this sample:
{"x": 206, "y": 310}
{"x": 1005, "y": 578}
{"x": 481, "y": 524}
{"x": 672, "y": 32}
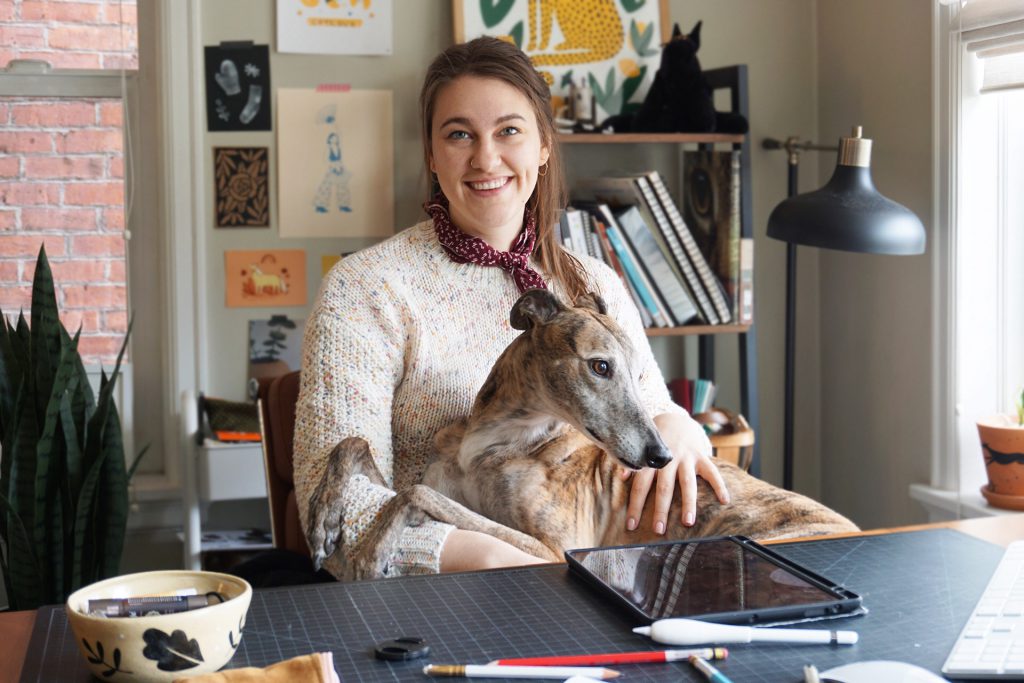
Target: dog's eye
{"x": 600, "y": 367}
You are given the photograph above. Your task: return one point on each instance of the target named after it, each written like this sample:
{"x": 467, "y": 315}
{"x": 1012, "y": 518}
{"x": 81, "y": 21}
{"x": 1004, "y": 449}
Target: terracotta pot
{"x": 1002, "y": 445}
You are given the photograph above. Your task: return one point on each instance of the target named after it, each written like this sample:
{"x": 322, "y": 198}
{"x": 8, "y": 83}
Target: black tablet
{"x": 728, "y": 579}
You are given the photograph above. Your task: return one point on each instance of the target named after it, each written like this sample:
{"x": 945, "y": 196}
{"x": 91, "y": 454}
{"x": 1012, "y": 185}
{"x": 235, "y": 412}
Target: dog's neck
{"x": 508, "y": 417}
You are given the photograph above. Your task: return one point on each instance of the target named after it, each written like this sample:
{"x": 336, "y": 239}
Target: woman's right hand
{"x": 469, "y": 550}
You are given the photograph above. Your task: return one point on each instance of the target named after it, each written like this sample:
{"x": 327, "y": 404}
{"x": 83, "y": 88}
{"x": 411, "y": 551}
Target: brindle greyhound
{"x": 536, "y": 462}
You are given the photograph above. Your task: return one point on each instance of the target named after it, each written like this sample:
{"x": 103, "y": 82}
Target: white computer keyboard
{"x": 992, "y": 642}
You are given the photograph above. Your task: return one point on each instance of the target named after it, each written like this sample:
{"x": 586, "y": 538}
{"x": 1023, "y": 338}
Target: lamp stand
{"x": 793, "y": 147}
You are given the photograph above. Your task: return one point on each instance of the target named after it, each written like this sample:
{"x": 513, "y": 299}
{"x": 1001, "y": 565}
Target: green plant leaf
{"x": 517, "y": 34}
{"x": 45, "y": 330}
{"x": 641, "y": 40}
{"x": 630, "y": 85}
{"x": 82, "y": 574}
{"x": 72, "y": 446}
{"x": 493, "y": 11}
{"x": 112, "y": 501}
{"x": 566, "y": 79}
{"x": 631, "y": 6}
{"x": 22, "y": 570}
{"x": 10, "y": 375}
{"x": 136, "y": 461}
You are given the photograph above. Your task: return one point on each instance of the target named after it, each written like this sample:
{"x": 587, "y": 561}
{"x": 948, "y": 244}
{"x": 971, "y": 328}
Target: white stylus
{"x": 694, "y": 632}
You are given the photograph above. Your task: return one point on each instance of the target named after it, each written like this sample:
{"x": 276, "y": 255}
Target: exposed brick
{"x": 116, "y": 272}
{"x": 8, "y": 219}
{"x": 20, "y": 194}
{"x": 88, "y": 38}
{"x": 5, "y": 109}
{"x": 119, "y": 61}
{"x": 61, "y": 59}
{"x": 8, "y": 272}
{"x": 94, "y": 296}
{"x": 54, "y": 114}
{"x": 94, "y": 194}
{"x": 58, "y": 219}
{"x": 25, "y": 142}
{"x": 73, "y": 318}
{"x": 118, "y": 13}
{"x": 6, "y": 55}
{"x": 7, "y": 10}
{"x": 113, "y": 219}
{"x": 100, "y": 349}
{"x": 27, "y": 246}
{"x": 14, "y": 298}
{"x": 89, "y": 141}
{"x": 115, "y": 322}
{"x": 96, "y": 245}
{"x": 13, "y": 35}
{"x": 68, "y": 272}
{"x": 90, "y": 168}
{"x": 111, "y": 114}
{"x": 61, "y": 12}
{"x": 116, "y": 168}
{"x": 10, "y": 167}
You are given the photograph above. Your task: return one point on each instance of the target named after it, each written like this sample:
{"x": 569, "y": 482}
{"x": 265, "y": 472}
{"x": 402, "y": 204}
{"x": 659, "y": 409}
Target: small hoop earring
{"x": 545, "y": 167}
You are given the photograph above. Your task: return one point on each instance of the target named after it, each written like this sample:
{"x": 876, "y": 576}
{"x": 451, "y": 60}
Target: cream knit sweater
{"x": 398, "y": 343}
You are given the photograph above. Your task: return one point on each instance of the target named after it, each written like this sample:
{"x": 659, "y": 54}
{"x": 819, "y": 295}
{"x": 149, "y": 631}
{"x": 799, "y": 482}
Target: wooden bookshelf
{"x": 650, "y": 138}
{"x": 692, "y": 330}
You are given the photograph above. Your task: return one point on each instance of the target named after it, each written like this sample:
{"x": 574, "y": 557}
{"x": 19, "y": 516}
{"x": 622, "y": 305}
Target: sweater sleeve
{"x": 621, "y": 307}
{"x": 352, "y": 361}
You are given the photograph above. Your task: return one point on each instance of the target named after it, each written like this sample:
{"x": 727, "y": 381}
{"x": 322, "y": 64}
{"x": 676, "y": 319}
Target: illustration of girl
{"x": 335, "y": 180}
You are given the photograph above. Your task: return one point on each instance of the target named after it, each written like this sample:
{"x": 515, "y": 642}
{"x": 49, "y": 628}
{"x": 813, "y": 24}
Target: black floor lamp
{"x": 848, "y": 214}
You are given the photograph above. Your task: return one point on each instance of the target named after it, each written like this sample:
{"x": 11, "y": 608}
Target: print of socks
{"x": 227, "y": 77}
{"x": 253, "y": 105}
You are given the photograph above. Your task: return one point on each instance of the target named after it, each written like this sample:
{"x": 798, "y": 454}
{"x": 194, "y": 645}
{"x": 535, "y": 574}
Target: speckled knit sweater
{"x": 397, "y": 345}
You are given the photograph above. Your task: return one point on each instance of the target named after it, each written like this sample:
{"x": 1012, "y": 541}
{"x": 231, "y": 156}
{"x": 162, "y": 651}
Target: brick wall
{"x": 62, "y": 169}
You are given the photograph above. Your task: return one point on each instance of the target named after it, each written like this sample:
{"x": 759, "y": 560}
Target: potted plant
{"x": 1002, "y": 444}
{"x": 63, "y": 480}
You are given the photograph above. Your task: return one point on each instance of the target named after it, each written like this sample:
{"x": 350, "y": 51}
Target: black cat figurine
{"x": 680, "y": 99}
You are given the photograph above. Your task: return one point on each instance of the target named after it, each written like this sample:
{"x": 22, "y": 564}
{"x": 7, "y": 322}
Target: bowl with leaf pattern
{"x": 160, "y": 647}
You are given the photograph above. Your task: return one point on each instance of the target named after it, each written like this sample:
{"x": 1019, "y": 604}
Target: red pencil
{"x": 618, "y": 658}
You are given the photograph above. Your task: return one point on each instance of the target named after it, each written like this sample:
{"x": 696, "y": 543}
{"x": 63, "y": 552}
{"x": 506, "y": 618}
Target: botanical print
{"x": 610, "y": 47}
{"x": 348, "y": 27}
{"x": 275, "y": 277}
{"x": 240, "y": 176}
{"x": 335, "y": 160}
{"x": 275, "y": 346}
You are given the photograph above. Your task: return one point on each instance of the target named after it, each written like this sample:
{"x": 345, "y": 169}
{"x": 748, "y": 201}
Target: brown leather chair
{"x": 278, "y": 396}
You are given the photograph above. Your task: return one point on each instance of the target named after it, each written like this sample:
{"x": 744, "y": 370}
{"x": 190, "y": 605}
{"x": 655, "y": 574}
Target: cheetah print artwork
{"x": 613, "y": 46}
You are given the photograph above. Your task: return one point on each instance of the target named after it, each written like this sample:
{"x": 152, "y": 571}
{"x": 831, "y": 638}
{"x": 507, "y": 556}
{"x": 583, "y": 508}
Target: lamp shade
{"x": 848, "y": 213}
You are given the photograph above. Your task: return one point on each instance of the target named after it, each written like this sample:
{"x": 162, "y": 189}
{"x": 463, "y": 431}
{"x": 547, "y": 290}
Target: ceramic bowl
{"x": 161, "y": 647}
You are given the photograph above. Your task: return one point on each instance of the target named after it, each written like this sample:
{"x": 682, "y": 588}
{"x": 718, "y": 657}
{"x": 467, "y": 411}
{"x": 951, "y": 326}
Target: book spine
{"x": 613, "y": 261}
{"x": 710, "y": 281}
{"x": 577, "y": 236}
{"x": 734, "y": 266}
{"x": 746, "y": 291}
{"x": 687, "y": 275}
{"x": 665, "y": 283}
{"x": 633, "y": 271}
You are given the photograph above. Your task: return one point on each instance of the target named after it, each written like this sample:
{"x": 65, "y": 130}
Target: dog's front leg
{"x": 351, "y": 457}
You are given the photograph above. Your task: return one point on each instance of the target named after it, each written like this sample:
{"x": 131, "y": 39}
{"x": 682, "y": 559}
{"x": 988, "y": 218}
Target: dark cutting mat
{"x": 919, "y": 588}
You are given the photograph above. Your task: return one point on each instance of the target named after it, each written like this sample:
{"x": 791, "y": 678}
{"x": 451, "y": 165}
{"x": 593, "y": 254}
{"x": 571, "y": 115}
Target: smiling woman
{"x": 404, "y": 333}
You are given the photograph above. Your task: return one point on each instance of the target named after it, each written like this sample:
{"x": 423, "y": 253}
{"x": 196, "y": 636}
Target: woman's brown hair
{"x": 488, "y": 57}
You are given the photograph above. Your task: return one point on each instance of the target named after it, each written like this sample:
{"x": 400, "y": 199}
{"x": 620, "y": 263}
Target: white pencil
{"x": 500, "y": 671}
{"x": 694, "y": 632}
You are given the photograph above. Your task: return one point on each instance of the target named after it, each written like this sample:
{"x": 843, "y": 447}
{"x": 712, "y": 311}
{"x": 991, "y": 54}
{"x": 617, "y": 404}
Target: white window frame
{"x": 175, "y": 123}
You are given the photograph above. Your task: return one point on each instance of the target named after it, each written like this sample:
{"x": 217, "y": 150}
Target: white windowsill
{"x": 944, "y": 505}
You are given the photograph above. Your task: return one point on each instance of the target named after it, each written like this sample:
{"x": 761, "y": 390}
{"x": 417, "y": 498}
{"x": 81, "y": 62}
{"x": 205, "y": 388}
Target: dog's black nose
{"x": 656, "y": 456}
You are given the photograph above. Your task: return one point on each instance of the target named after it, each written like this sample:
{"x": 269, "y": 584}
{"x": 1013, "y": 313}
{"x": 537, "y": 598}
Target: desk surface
{"x": 16, "y": 628}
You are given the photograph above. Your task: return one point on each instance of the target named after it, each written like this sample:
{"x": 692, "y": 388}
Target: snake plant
{"x": 63, "y": 480}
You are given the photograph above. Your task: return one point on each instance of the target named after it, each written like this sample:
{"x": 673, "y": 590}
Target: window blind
{"x": 993, "y": 31}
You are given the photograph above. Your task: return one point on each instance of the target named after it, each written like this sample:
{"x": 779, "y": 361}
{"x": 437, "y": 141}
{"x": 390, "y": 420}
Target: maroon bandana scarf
{"x": 463, "y": 248}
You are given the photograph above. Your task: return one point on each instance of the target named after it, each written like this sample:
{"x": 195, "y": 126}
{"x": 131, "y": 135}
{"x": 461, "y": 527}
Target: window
{"x": 980, "y": 250}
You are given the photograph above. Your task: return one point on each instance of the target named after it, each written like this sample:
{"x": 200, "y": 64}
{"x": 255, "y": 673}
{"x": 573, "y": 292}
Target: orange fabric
{"x": 313, "y": 668}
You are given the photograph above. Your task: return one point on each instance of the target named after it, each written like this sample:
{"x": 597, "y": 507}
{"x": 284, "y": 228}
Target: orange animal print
{"x": 259, "y": 283}
{"x": 592, "y": 29}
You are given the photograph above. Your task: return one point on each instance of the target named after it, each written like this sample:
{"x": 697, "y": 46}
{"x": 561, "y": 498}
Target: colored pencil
{"x": 710, "y": 672}
{"x": 491, "y": 671}
{"x": 617, "y": 658}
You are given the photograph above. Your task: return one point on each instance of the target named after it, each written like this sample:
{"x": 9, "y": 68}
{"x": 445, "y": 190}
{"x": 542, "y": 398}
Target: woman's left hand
{"x": 691, "y": 451}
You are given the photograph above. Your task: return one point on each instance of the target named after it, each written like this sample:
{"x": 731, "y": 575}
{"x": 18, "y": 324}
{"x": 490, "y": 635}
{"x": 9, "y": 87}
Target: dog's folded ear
{"x": 535, "y": 306}
{"x": 592, "y": 301}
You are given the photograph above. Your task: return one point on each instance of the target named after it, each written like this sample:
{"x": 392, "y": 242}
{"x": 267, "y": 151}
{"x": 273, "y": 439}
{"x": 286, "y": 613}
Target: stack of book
{"x": 695, "y": 395}
{"x": 677, "y": 274}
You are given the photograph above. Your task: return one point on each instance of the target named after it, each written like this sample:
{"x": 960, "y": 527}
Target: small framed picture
{"x": 609, "y": 47}
{"x": 241, "y": 187}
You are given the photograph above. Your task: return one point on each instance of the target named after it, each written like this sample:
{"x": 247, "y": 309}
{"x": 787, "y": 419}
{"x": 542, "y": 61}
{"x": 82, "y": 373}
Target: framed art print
{"x": 241, "y": 197}
{"x": 612, "y": 46}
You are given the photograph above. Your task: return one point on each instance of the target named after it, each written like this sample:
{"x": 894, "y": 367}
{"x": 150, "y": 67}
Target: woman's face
{"x": 486, "y": 148}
